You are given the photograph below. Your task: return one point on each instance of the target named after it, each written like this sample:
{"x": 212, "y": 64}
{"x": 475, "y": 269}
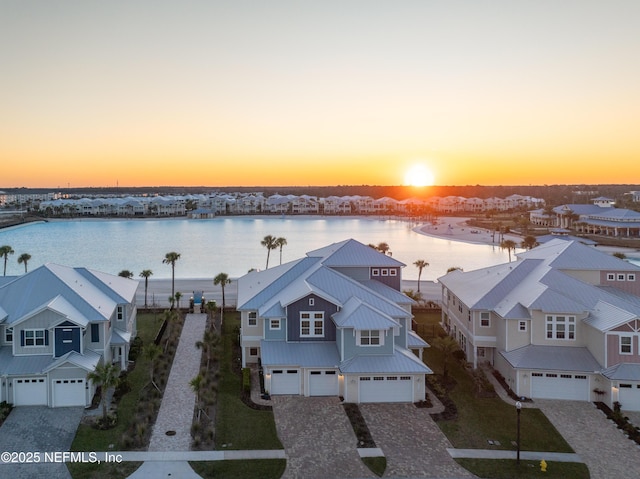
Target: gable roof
{"x": 352, "y": 253}
{"x": 553, "y": 358}
{"x": 93, "y": 295}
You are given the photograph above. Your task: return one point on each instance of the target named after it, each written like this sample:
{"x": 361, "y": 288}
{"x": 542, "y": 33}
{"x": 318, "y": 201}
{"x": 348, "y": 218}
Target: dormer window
{"x": 8, "y": 335}
{"x": 253, "y": 318}
{"x": 375, "y": 272}
{"x": 370, "y": 337}
{"x": 120, "y": 313}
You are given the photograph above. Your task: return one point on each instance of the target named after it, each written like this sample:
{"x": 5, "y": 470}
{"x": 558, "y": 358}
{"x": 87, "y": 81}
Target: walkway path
{"x": 178, "y": 402}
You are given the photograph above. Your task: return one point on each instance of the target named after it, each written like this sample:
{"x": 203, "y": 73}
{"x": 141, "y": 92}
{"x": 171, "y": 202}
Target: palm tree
{"x": 420, "y": 264}
{"x": 145, "y": 274}
{"x": 178, "y": 295}
{"x": 447, "y": 344}
{"x": 269, "y": 242}
{"x": 211, "y": 308}
{"x": 280, "y": 242}
{"x": 125, "y": 273}
{"x": 171, "y": 258}
{"x": 150, "y": 352}
{"x": 107, "y": 376}
{"x": 222, "y": 279}
{"x": 24, "y": 258}
{"x": 508, "y": 245}
{"x": 5, "y": 251}
{"x": 209, "y": 341}
{"x": 529, "y": 242}
{"x": 197, "y": 384}
{"x": 383, "y": 247}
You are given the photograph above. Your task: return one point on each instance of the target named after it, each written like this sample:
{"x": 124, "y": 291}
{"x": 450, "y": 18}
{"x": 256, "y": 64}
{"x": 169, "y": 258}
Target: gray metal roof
{"x": 414, "y": 341}
{"x": 87, "y": 361}
{"x": 388, "y": 292}
{"x": 119, "y": 337}
{"x": 552, "y": 358}
{"x": 360, "y": 316}
{"x": 353, "y": 253}
{"x": 623, "y": 372}
{"x": 16, "y": 365}
{"x": 321, "y": 354}
{"x": 402, "y": 362}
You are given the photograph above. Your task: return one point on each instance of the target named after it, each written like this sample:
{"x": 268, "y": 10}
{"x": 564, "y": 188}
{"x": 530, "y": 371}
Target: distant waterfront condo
{"x": 562, "y": 322}
{"x": 56, "y": 325}
{"x": 333, "y": 323}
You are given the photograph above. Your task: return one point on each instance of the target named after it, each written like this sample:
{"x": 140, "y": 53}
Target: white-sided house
{"x": 333, "y": 324}
{"x": 56, "y": 325}
{"x": 562, "y": 322}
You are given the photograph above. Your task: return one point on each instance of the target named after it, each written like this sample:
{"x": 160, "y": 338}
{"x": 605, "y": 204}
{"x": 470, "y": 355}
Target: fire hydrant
{"x": 543, "y": 466}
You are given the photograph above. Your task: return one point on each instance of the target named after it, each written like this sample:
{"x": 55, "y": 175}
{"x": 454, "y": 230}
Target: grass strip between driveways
{"x": 255, "y": 468}
{"x": 482, "y": 419}
{"x": 238, "y": 426}
{"x": 508, "y": 469}
{"x": 90, "y": 439}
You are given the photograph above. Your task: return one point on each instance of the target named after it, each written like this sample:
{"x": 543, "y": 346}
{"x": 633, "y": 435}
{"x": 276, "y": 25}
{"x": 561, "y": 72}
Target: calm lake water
{"x": 230, "y": 245}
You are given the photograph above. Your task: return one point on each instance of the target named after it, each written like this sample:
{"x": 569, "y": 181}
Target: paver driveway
{"x": 318, "y": 438}
{"x": 605, "y": 450}
{"x": 42, "y": 429}
{"x": 411, "y": 441}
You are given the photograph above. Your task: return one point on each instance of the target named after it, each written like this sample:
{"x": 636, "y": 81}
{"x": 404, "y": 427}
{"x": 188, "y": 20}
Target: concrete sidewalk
{"x": 524, "y": 455}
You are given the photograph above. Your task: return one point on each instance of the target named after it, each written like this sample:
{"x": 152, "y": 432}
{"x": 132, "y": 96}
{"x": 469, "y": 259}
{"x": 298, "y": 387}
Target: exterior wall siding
{"x": 630, "y": 283}
{"x": 359, "y": 274}
{"x": 613, "y": 350}
{"x": 391, "y": 281}
{"x": 275, "y": 334}
{"x": 351, "y": 349}
{"x": 319, "y": 305}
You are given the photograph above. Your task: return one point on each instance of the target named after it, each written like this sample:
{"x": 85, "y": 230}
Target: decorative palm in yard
{"x": 508, "y": 245}
{"x": 5, "y": 251}
{"x": 269, "y": 242}
{"x": 280, "y": 242}
{"x": 222, "y": 280}
{"x": 151, "y": 352}
{"x": 107, "y": 376}
{"x": 383, "y": 247}
{"x": 171, "y": 258}
{"x": 420, "y": 264}
{"x": 447, "y": 345}
{"x": 24, "y": 259}
{"x": 145, "y": 273}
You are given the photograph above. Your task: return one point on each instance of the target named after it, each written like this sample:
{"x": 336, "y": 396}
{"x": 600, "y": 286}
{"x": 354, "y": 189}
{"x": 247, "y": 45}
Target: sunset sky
{"x": 245, "y": 93}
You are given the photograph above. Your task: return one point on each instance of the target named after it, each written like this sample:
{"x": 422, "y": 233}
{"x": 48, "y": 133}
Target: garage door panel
{"x": 386, "y": 389}
{"x": 629, "y": 396}
{"x": 285, "y": 381}
{"x": 560, "y": 386}
{"x": 69, "y": 392}
{"x": 30, "y": 392}
{"x": 323, "y": 383}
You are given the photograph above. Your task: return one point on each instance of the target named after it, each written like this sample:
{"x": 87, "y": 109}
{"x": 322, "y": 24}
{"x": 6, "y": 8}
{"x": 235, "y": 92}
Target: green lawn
{"x": 508, "y": 469}
{"x": 483, "y": 419}
{"x": 90, "y": 439}
{"x": 257, "y": 468}
{"x": 238, "y": 426}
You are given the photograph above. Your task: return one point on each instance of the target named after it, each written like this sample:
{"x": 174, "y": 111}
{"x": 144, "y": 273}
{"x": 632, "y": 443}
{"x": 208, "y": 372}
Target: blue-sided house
{"x": 56, "y": 325}
{"x": 333, "y": 323}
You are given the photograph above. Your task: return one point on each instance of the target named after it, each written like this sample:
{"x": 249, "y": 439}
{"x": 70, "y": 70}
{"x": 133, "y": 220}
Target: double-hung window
{"x": 8, "y": 335}
{"x": 120, "y": 313}
{"x": 370, "y": 337}
{"x": 312, "y": 324}
{"x": 34, "y": 337}
{"x": 625, "y": 345}
{"x": 253, "y": 318}
{"x": 561, "y": 327}
{"x": 485, "y": 320}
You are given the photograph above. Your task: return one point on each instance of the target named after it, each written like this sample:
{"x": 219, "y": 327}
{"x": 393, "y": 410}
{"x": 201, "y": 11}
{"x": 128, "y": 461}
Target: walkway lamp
{"x": 518, "y": 409}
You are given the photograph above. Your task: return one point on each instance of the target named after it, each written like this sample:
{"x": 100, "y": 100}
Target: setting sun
{"x": 418, "y": 175}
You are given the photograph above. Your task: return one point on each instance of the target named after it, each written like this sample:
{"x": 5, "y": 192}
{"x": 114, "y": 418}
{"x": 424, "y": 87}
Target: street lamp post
{"x": 518, "y": 409}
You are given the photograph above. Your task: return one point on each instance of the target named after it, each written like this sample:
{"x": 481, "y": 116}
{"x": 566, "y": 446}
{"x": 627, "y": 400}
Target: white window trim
{"x": 611, "y": 277}
{"x": 553, "y": 320}
{"x": 521, "y": 323}
{"x": 375, "y": 272}
{"x": 120, "y": 313}
{"x": 312, "y": 319}
{"x": 366, "y": 334}
{"x": 312, "y": 302}
{"x": 630, "y": 345}
{"x": 631, "y": 277}
{"x": 393, "y": 272}
{"x": 384, "y": 272}
{"x": 252, "y": 320}
{"x": 487, "y": 319}
{"x": 271, "y": 324}
{"x": 7, "y": 330}
{"x": 620, "y": 277}
{"x": 35, "y": 338}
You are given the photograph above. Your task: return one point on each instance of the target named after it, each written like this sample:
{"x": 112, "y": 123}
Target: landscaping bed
{"x": 621, "y": 420}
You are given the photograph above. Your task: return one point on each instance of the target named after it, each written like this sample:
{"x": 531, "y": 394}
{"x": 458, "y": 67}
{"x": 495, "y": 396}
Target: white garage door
{"x": 386, "y": 389}
{"x": 30, "y": 392}
{"x": 559, "y": 386}
{"x": 285, "y": 381}
{"x": 69, "y": 392}
{"x": 323, "y": 383}
{"x": 629, "y": 396}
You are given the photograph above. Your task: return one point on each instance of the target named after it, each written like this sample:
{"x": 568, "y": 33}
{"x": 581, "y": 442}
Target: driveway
{"x": 318, "y": 438}
{"x": 411, "y": 441}
{"x": 41, "y": 429}
{"x": 601, "y": 445}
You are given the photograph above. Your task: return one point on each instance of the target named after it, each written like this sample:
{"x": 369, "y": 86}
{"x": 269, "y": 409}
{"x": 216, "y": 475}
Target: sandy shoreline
{"x": 456, "y": 229}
